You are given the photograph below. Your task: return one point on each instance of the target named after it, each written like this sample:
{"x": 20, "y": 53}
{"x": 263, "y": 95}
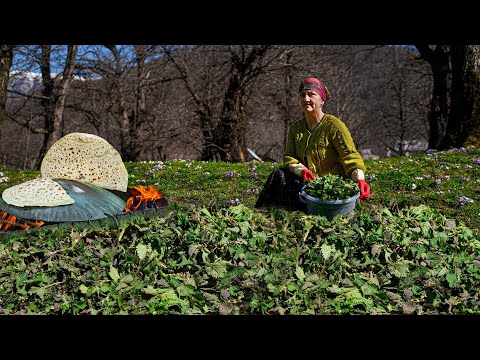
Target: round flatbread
{"x": 37, "y": 192}
{"x": 85, "y": 158}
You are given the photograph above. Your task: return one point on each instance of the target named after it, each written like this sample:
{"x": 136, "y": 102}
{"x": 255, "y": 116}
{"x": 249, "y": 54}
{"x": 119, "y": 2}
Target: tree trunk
{"x": 6, "y": 56}
{"x": 439, "y": 61}
{"x": 464, "y": 122}
{"x": 230, "y": 134}
{"x": 54, "y": 95}
{"x": 229, "y": 144}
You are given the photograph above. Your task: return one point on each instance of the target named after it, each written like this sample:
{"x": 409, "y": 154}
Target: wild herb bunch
{"x": 331, "y": 187}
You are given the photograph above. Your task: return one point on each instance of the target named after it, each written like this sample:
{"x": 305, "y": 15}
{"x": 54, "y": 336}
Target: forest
{"x": 213, "y": 102}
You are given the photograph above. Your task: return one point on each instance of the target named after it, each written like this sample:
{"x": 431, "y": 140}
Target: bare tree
{"x": 223, "y": 119}
{"x": 118, "y": 99}
{"x": 405, "y": 81}
{"x": 463, "y": 126}
{"x": 210, "y": 102}
{"x": 454, "y": 111}
{"x": 439, "y": 60}
{"x": 54, "y": 93}
{"x": 54, "y": 88}
{"x": 6, "y": 56}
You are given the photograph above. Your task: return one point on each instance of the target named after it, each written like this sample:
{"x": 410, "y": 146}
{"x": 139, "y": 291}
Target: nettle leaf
{"x": 387, "y": 212}
{"x": 426, "y": 227}
{"x": 206, "y": 213}
{"x": 300, "y": 274}
{"x": 244, "y": 227}
{"x": 453, "y": 280}
{"x": 442, "y": 271}
{"x": 326, "y": 250}
{"x": 217, "y": 270}
{"x": 77, "y": 236}
{"x": 185, "y": 290}
{"x": 417, "y": 289}
{"x": 83, "y": 289}
{"x": 337, "y": 290}
{"x": 211, "y": 297}
{"x": 40, "y": 291}
{"x": 408, "y": 308}
{"x": 262, "y": 271}
{"x": 376, "y": 250}
{"x": 369, "y": 289}
{"x": 127, "y": 279}
{"x": 21, "y": 278}
{"x": 314, "y": 278}
{"x": 226, "y": 309}
{"x": 142, "y": 250}
{"x": 261, "y": 236}
{"x": 114, "y": 274}
{"x": 394, "y": 296}
{"x": 291, "y": 287}
{"x": 193, "y": 250}
{"x": 150, "y": 290}
{"x": 388, "y": 253}
{"x": 399, "y": 268}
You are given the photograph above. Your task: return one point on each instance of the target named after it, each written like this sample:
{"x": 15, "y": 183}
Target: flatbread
{"x": 85, "y": 158}
{"x": 37, "y": 192}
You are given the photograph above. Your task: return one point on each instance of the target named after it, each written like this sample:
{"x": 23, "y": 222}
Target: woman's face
{"x": 309, "y": 100}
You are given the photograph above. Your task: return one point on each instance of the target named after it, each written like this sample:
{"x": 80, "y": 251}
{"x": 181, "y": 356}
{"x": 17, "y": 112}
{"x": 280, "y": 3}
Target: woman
{"x": 317, "y": 144}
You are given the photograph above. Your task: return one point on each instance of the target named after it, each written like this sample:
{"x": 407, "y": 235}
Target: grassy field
{"x": 445, "y": 180}
{"x": 412, "y": 248}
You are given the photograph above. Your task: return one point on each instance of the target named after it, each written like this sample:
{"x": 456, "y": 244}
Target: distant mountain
{"x": 24, "y": 83}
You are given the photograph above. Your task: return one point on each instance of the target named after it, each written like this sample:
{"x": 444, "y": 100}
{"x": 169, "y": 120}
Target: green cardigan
{"x": 328, "y": 149}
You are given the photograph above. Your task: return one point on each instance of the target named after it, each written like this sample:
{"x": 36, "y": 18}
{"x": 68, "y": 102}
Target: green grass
{"x": 398, "y": 253}
{"x": 396, "y": 182}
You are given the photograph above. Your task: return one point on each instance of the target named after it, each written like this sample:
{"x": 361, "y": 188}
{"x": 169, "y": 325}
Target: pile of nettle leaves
{"x": 331, "y": 187}
{"x": 240, "y": 260}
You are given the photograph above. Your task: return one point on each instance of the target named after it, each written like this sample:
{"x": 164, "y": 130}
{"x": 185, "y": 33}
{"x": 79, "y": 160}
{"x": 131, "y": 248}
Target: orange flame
{"x": 141, "y": 195}
{"x": 8, "y": 221}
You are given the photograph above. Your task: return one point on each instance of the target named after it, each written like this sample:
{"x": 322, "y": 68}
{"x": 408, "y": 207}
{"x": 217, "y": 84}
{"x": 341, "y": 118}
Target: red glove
{"x": 307, "y": 175}
{"x": 364, "y": 189}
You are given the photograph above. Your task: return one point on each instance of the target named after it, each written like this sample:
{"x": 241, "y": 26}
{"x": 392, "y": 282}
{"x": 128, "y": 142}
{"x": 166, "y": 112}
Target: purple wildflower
{"x": 463, "y": 200}
{"x": 235, "y": 201}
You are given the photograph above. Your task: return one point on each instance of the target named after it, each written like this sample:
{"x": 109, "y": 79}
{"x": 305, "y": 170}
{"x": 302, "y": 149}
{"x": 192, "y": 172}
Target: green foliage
{"x": 331, "y": 187}
{"x": 407, "y": 250}
{"x": 240, "y": 260}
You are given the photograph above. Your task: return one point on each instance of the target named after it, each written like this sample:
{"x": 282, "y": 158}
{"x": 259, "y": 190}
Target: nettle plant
{"x": 331, "y": 187}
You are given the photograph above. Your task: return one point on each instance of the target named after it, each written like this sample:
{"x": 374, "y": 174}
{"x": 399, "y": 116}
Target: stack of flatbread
{"x": 82, "y": 157}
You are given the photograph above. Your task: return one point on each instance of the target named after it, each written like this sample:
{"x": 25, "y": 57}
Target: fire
{"x": 144, "y": 197}
{"x": 8, "y": 221}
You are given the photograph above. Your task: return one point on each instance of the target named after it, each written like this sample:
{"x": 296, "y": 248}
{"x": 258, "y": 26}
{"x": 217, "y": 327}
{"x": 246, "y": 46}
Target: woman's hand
{"x": 364, "y": 189}
{"x": 307, "y": 175}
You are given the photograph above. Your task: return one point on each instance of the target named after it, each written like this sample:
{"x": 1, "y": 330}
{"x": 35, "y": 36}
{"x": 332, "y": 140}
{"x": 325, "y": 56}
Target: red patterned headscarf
{"x": 315, "y": 85}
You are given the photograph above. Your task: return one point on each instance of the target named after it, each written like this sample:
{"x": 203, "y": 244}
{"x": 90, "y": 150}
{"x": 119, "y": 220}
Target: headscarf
{"x": 315, "y": 85}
